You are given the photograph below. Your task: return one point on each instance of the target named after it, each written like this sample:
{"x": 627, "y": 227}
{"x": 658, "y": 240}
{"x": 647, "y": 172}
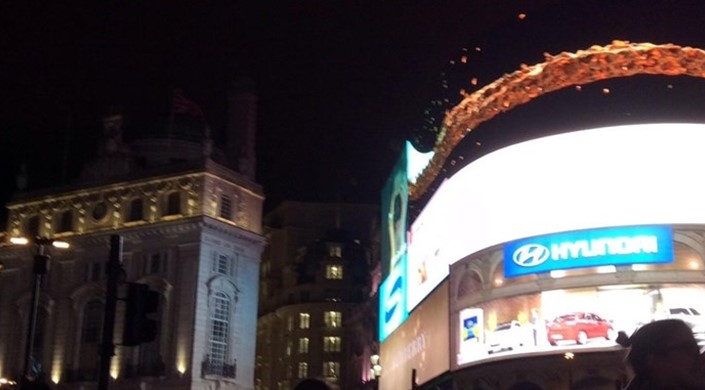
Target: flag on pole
{"x": 180, "y": 104}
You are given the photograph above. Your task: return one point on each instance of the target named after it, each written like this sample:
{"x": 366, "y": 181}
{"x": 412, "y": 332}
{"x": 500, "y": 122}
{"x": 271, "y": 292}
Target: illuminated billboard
{"x": 573, "y": 319}
{"x": 421, "y": 343}
{"x": 613, "y": 176}
{"x": 427, "y": 262}
{"x": 394, "y": 207}
{"x": 392, "y": 300}
{"x": 589, "y": 248}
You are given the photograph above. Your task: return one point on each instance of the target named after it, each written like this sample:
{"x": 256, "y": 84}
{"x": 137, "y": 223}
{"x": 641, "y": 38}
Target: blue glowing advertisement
{"x": 589, "y": 248}
{"x": 392, "y": 300}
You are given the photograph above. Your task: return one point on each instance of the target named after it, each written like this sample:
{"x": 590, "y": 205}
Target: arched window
{"x": 65, "y": 223}
{"x": 136, "y": 210}
{"x": 219, "y": 332}
{"x": 91, "y": 325}
{"x": 173, "y": 204}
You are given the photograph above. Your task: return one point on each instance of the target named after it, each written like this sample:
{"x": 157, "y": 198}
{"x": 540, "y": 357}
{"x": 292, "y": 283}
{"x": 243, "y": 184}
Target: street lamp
{"x": 569, "y": 356}
{"x": 376, "y": 370}
{"x": 39, "y": 269}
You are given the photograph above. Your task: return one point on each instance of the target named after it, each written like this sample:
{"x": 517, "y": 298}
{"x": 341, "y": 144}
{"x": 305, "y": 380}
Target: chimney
{"x": 242, "y": 127}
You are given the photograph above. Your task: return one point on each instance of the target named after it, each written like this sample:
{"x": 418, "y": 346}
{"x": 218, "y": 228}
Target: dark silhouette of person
{"x": 312, "y": 384}
{"x": 664, "y": 355}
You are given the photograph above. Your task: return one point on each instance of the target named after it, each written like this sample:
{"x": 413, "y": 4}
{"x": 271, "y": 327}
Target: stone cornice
{"x": 166, "y": 229}
{"x": 233, "y": 231}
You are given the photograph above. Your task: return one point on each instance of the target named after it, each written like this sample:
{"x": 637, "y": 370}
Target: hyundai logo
{"x": 531, "y": 255}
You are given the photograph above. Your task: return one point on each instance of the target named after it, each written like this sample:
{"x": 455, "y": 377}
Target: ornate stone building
{"x": 190, "y": 216}
{"x": 314, "y": 288}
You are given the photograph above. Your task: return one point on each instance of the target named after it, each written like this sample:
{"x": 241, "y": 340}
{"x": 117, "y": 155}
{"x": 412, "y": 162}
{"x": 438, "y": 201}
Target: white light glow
{"x": 613, "y": 176}
{"x": 60, "y": 244}
{"x": 694, "y": 264}
{"x": 558, "y": 273}
{"x": 19, "y": 240}
{"x": 606, "y": 269}
{"x": 640, "y": 267}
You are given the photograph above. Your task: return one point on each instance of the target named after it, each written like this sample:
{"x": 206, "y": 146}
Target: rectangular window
{"x": 289, "y": 347}
{"x": 65, "y": 222}
{"x": 304, "y": 320}
{"x": 173, "y": 204}
{"x": 303, "y": 345}
{"x": 155, "y": 263}
{"x": 331, "y": 344}
{"x": 331, "y": 369}
{"x": 334, "y": 271}
{"x": 303, "y": 370}
{"x": 136, "y": 210}
{"x": 226, "y": 207}
{"x": 335, "y": 250}
{"x": 93, "y": 271}
{"x": 333, "y": 319}
{"x": 222, "y": 265}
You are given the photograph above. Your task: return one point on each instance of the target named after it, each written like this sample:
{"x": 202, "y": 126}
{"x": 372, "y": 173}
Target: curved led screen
{"x": 612, "y": 176}
{"x": 575, "y": 319}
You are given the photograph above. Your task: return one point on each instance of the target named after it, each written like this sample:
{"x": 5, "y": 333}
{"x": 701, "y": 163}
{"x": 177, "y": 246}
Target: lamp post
{"x": 40, "y": 268}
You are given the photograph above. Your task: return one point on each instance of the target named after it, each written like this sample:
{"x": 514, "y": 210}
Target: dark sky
{"x": 341, "y": 83}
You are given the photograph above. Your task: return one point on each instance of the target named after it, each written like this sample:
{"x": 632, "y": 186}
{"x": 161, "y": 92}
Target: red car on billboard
{"x": 579, "y": 327}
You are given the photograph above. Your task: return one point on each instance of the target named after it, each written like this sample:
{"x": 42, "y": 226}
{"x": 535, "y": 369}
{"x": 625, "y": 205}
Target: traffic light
{"x": 141, "y": 302}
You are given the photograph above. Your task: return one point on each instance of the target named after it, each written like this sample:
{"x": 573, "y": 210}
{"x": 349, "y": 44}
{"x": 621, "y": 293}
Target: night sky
{"x": 341, "y": 83}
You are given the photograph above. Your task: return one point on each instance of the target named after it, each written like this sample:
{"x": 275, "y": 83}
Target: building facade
{"x": 192, "y": 230}
{"x": 315, "y": 276}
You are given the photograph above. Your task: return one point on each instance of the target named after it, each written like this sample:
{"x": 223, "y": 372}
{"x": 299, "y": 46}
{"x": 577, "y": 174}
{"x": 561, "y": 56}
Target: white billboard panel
{"x": 612, "y": 176}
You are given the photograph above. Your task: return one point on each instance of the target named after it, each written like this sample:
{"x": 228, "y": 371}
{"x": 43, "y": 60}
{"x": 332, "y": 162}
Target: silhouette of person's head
{"x": 665, "y": 353}
{"x": 312, "y": 384}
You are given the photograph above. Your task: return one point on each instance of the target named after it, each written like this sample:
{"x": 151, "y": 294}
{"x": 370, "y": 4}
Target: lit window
{"x": 334, "y": 271}
{"x": 333, "y": 319}
{"x": 303, "y": 345}
{"x": 226, "y": 207}
{"x": 331, "y": 369}
{"x": 331, "y": 344}
{"x": 290, "y": 323}
{"x": 304, "y": 320}
{"x": 289, "y": 347}
{"x": 303, "y": 370}
{"x": 335, "y": 250}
